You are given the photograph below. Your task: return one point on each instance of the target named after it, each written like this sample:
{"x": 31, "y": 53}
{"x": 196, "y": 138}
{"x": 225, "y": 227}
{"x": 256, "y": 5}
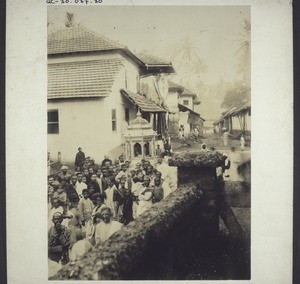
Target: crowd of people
{"x": 88, "y": 205}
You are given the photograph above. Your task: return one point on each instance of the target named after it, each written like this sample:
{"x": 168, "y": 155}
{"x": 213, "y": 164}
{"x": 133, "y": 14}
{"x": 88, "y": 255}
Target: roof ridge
{"x": 103, "y": 36}
{"x": 96, "y": 34}
{"x": 80, "y": 39}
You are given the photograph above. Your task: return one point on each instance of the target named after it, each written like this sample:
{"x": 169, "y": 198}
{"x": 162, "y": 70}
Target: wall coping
{"x": 207, "y": 159}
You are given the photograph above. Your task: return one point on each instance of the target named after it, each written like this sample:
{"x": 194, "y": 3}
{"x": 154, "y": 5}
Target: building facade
{"x": 93, "y": 93}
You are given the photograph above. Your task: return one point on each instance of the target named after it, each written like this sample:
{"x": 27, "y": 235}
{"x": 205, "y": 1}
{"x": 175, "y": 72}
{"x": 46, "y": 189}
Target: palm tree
{"x": 187, "y": 62}
{"x": 69, "y": 22}
{"x": 244, "y": 50}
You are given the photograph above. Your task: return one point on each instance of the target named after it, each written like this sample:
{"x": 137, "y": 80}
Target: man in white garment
{"x": 80, "y": 185}
{"x": 108, "y": 227}
{"x": 163, "y": 169}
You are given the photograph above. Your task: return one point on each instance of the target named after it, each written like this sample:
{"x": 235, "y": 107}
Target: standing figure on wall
{"x": 79, "y": 159}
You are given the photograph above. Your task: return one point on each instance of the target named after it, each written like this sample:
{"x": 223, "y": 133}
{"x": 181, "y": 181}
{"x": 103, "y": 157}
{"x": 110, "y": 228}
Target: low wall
{"x": 161, "y": 242}
{"x": 153, "y": 246}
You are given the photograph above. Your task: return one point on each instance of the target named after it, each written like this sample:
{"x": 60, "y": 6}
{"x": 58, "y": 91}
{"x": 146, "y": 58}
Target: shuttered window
{"x": 53, "y": 122}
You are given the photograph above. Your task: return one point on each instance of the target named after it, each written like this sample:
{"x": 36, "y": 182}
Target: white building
{"x": 181, "y": 103}
{"x": 93, "y": 93}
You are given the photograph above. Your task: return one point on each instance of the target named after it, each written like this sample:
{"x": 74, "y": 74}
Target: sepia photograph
{"x": 163, "y": 130}
{"x": 149, "y": 142}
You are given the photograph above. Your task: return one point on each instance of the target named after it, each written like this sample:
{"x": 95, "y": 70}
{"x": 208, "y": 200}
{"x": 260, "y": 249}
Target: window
{"x": 185, "y": 102}
{"x": 53, "y": 122}
{"x": 114, "y": 119}
{"x": 127, "y": 115}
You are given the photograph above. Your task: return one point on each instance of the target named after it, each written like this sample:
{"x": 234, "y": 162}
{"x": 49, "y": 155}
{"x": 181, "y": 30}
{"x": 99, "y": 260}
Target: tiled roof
{"x": 187, "y": 92}
{"x": 152, "y": 60}
{"x": 175, "y": 87}
{"x": 78, "y": 39}
{"x": 143, "y": 103}
{"x": 185, "y": 108}
{"x": 82, "y": 78}
{"x": 244, "y": 107}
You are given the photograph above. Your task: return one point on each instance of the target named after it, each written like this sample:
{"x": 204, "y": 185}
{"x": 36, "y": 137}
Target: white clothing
{"x": 165, "y": 176}
{"x": 89, "y": 229}
{"x": 80, "y": 186}
{"x": 104, "y": 231}
{"x": 225, "y": 138}
{"x": 79, "y": 249}
{"x": 120, "y": 174}
{"x": 164, "y": 169}
{"x": 219, "y": 171}
{"x": 242, "y": 140}
{"x": 145, "y": 201}
{"x": 137, "y": 188}
{"x": 109, "y": 197}
{"x": 65, "y": 222}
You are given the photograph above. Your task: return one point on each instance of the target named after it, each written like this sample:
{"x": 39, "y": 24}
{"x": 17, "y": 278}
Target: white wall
{"x": 172, "y": 101}
{"x": 183, "y": 117}
{"x": 236, "y": 124}
{"x": 190, "y": 100}
{"x": 79, "y": 125}
{"x": 87, "y": 122}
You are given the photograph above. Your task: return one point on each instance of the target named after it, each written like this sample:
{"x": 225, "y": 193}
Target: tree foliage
{"x": 236, "y": 96}
{"x": 188, "y": 64}
{"x": 244, "y": 51}
{"x": 69, "y": 21}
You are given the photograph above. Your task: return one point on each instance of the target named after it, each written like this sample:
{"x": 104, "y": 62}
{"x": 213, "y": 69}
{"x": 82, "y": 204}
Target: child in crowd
{"x": 158, "y": 192}
{"x": 61, "y": 195}
{"x": 85, "y": 207}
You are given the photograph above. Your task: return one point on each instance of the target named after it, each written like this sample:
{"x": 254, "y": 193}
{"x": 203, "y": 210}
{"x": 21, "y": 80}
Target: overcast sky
{"x": 159, "y": 28}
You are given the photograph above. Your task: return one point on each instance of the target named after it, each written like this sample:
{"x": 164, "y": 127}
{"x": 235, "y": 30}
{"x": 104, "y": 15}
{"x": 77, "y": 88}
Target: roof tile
{"x": 143, "y": 103}
{"x": 78, "y": 39}
{"x": 82, "y": 78}
{"x": 152, "y": 60}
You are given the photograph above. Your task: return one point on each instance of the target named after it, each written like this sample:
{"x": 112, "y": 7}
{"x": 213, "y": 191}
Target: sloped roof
{"x": 175, "y": 87}
{"x": 244, "y": 107}
{"x": 78, "y": 39}
{"x": 187, "y": 92}
{"x": 155, "y": 65}
{"x": 152, "y": 60}
{"x": 185, "y": 108}
{"x": 82, "y": 79}
{"x": 228, "y": 112}
{"x": 143, "y": 103}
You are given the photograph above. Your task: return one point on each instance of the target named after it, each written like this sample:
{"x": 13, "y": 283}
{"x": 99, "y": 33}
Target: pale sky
{"x": 159, "y": 28}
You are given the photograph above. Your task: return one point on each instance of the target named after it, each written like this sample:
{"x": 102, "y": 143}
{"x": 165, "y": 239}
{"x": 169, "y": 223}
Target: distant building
{"x": 181, "y": 103}
{"x": 208, "y": 127}
{"x": 236, "y": 120}
{"x": 94, "y": 92}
